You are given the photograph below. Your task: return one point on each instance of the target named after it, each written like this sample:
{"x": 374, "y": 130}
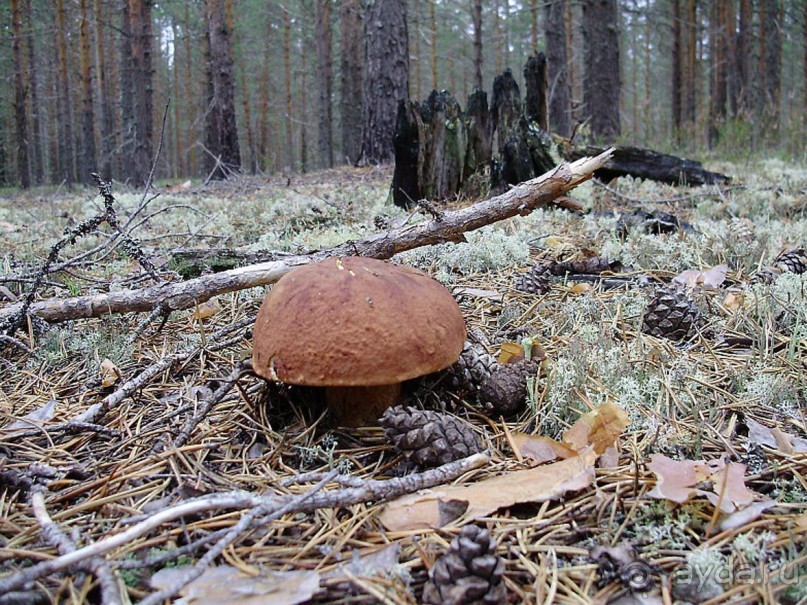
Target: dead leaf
{"x": 730, "y": 480}
{"x": 709, "y": 278}
{"x": 174, "y": 187}
{"x": 34, "y": 419}
{"x": 609, "y": 458}
{"x": 540, "y": 449}
{"x": 581, "y": 288}
{"x": 511, "y": 352}
{"x": 733, "y": 300}
{"x": 744, "y": 516}
{"x": 206, "y": 309}
{"x": 759, "y": 433}
{"x": 226, "y": 584}
{"x": 553, "y": 241}
{"x": 600, "y": 428}
{"x": 801, "y": 523}
{"x": 787, "y": 443}
{"x": 110, "y": 374}
{"x": 422, "y": 510}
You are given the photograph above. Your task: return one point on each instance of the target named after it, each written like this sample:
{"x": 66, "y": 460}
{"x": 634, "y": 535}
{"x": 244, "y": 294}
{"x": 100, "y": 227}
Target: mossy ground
{"x": 687, "y": 401}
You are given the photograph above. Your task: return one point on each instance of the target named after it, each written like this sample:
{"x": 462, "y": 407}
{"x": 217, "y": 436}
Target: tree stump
{"x": 535, "y": 78}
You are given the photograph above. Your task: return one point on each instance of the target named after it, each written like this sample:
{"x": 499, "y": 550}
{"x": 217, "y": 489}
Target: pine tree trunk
{"x": 20, "y": 98}
{"x": 104, "y": 95}
{"x": 601, "y": 93}
{"x": 718, "y": 56}
{"x": 263, "y": 131}
{"x": 476, "y": 15}
{"x": 223, "y": 155}
{"x": 37, "y": 155}
{"x": 287, "y": 84}
{"x": 324, "y": 84}
{"x": 87, "y": 163}
{"x": 190, "y": 90}
{"x": 744, "y": 58}
{"x": 66, "y": 169}
{"x": 688, "y": 74}
{"x": 352, "y": 100}
{"x": 535, "y": 80}
{"x": 387, "y": 77}
{"x": 433, "y": 23}
{"x": 560, "y": 102}
{"x": 770, "y": 58}
{"x": 534, "y": 24}
{"x": 179, "y": 146}
{"x": 303, "y": 119}
{"x": 136, "y": 91}
{"x": 246, "y": 102}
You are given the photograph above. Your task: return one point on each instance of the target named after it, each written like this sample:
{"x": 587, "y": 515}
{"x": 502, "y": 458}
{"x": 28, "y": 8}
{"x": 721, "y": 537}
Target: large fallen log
{"x": 448, "y": 226}
{"x": 646, "y": 164}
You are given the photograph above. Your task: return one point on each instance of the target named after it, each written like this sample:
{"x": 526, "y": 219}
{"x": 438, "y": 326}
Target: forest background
{"x": 268, "y": 86}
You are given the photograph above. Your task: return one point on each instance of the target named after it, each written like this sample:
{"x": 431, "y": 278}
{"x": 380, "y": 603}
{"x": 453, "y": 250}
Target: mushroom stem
{"x": 360, "y": 405}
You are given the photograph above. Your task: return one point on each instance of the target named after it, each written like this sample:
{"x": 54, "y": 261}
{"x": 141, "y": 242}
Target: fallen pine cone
{"x": 505, "y": 391}
{"x": 469, "y": 573}
{"x": 429, "y": 438}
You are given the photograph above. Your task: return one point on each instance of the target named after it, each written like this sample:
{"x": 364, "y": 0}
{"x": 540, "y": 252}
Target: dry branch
{"x": 520, "y": 200}
{"x": 369, "y": 491}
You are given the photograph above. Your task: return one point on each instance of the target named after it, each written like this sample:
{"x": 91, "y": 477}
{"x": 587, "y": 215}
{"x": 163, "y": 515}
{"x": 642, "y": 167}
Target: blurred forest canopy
{"x": 271, "y": 86}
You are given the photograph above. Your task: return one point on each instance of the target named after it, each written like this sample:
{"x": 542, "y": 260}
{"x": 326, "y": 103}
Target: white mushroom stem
{"x": 360, "y": 405}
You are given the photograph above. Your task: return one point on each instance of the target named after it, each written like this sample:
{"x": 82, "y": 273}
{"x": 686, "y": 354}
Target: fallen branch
{"x": 520, "y": 200}
{"x": 370, "y": 491}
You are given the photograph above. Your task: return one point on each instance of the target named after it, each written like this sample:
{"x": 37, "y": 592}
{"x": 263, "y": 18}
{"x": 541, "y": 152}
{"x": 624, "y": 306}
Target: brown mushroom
{"x": 359, "y": 327}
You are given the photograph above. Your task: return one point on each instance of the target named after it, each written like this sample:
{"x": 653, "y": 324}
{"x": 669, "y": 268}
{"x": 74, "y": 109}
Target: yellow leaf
{"x": 553, "y": 241}
{"x": 510, "y": 353}
{"x": 431, "y": 508}
{"x": 599, "y": 428}
{"x": 110, "y": 374}
{"x": 206, "y": 309}
{"x": 733, "y": 300}
{"x": 580, "y": 288}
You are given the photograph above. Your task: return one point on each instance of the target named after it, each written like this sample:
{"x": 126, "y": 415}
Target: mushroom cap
{"x": 354, "y": 321}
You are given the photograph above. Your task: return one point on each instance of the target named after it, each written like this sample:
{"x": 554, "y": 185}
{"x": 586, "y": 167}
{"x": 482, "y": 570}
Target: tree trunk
{"x": 246, "y": 101}
{"x": 20, "y": 98}
{"x": 602, "y": 86}
{"x": 718, "y": 56}
{"x": 287, "y": 84}
{"x": 139, "y": 150}
{"x": 560, "y": 97}
{"x": 387, "y": 77}
{"x": 433, "y": 62}
{"x": 480, "y": 133}
{"x": 37, "y": 155}
{"x": 324, "y": 84}
{"x": 104, "y": 94}
{"x": 688, "y": 74}
{"x": 263, "y": 131}
{"x": 66, "y": 171}
{"x": 744, "y": 57}
{"x": 223, "y": 155}
{"x": 87, "y": 163}
{"x": 303, "y": 100}
{"x": 476, "y": 18}
{"x": 770, "y": 19}
{"x": 352, "y": 100}
{"x": 534, "y": 25}
{"x": 677, "y": 67}
{"x": 535, "y": 80}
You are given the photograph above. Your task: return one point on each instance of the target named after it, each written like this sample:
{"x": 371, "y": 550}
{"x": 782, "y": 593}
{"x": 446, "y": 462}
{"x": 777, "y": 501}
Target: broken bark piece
{"x": 647, "y": 164}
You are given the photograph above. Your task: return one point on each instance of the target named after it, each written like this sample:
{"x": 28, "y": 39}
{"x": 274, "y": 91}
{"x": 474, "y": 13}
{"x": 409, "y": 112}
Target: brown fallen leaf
{"x": 422, "y": 510}
{"x": 581, "y": 288}
{"x": 743, "y": 517}
{"x": 600, "y": 428}
{"x": 206, "y": 309}
{"x": 34, "y": 419}
{"x": 730, "y": 480}
{"x": 226, "y": 584}
{"x": 733, "y": 300}
{"x": 375, "y": 562}
{"x": 493, "y": 295}
{"x": 709, "y": 278}
{"x": 775, "y": 438}
{"x": 510, "y": 352}
{"x": 540, "y": 448}
{"x": 110, "y": 374}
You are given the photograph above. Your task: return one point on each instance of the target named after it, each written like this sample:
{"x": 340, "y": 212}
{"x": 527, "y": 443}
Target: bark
{"x": 176, "y": 106}
{"x": 387, "y": 77}
{"x": 139, "y": 148}
{"x": 263, "y": 131}
{"x": 718, "y": 57}
{"x": 688, "y": 73}
{"x": 804, "y": 61}
{"x": 405, "y": 182}
{"x": 87, "y": 163}
{"x": 744, "y": 57}
{"x": 559, "y": 94}
{"x": 476, "y": 18}
{"x": 534, "y": 25}
{"x": 66, "y": 166}
{"x": 223, "y": 155}
{"x": 535, "y": 79}
{"x": 20, "y": 98}
{"x": 677, "y": 67}
{"x": 324, "y": 84}
{"x": 246, "y": 102}
{"x": 352, "y": 58}
{"x": 601, "y": 89}
{"x": 433, "y": 45}
{"x": 37, "y": 154}
{"x": 770, "y": 68}
{"x": 287, "y": 83}
{"x": 190, "y": 133}
{"x": 450, "y": 226}
{"x": 649, "y": 164}
{"x": 480, "y": 133}
{"x": 104, "y": 95}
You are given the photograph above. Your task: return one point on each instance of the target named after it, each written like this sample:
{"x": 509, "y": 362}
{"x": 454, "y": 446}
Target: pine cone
{"x": 381, "y": 222}
{"x": 470, "y": 573}
{"x": 429, "y": 438}
{"x": 534, "y": 281}
{"x": 741, "y": 229}
{"x": 473, "y": 367}
{"x": 671, "y": 314}
{"x": 791, "y": 261}
{"x": 594, "y": 265}
{"x": 506, "y": 390}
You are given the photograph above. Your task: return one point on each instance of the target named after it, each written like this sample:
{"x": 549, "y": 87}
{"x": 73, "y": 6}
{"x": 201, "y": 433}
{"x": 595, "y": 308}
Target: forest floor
{"x": 732, "y": 394}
